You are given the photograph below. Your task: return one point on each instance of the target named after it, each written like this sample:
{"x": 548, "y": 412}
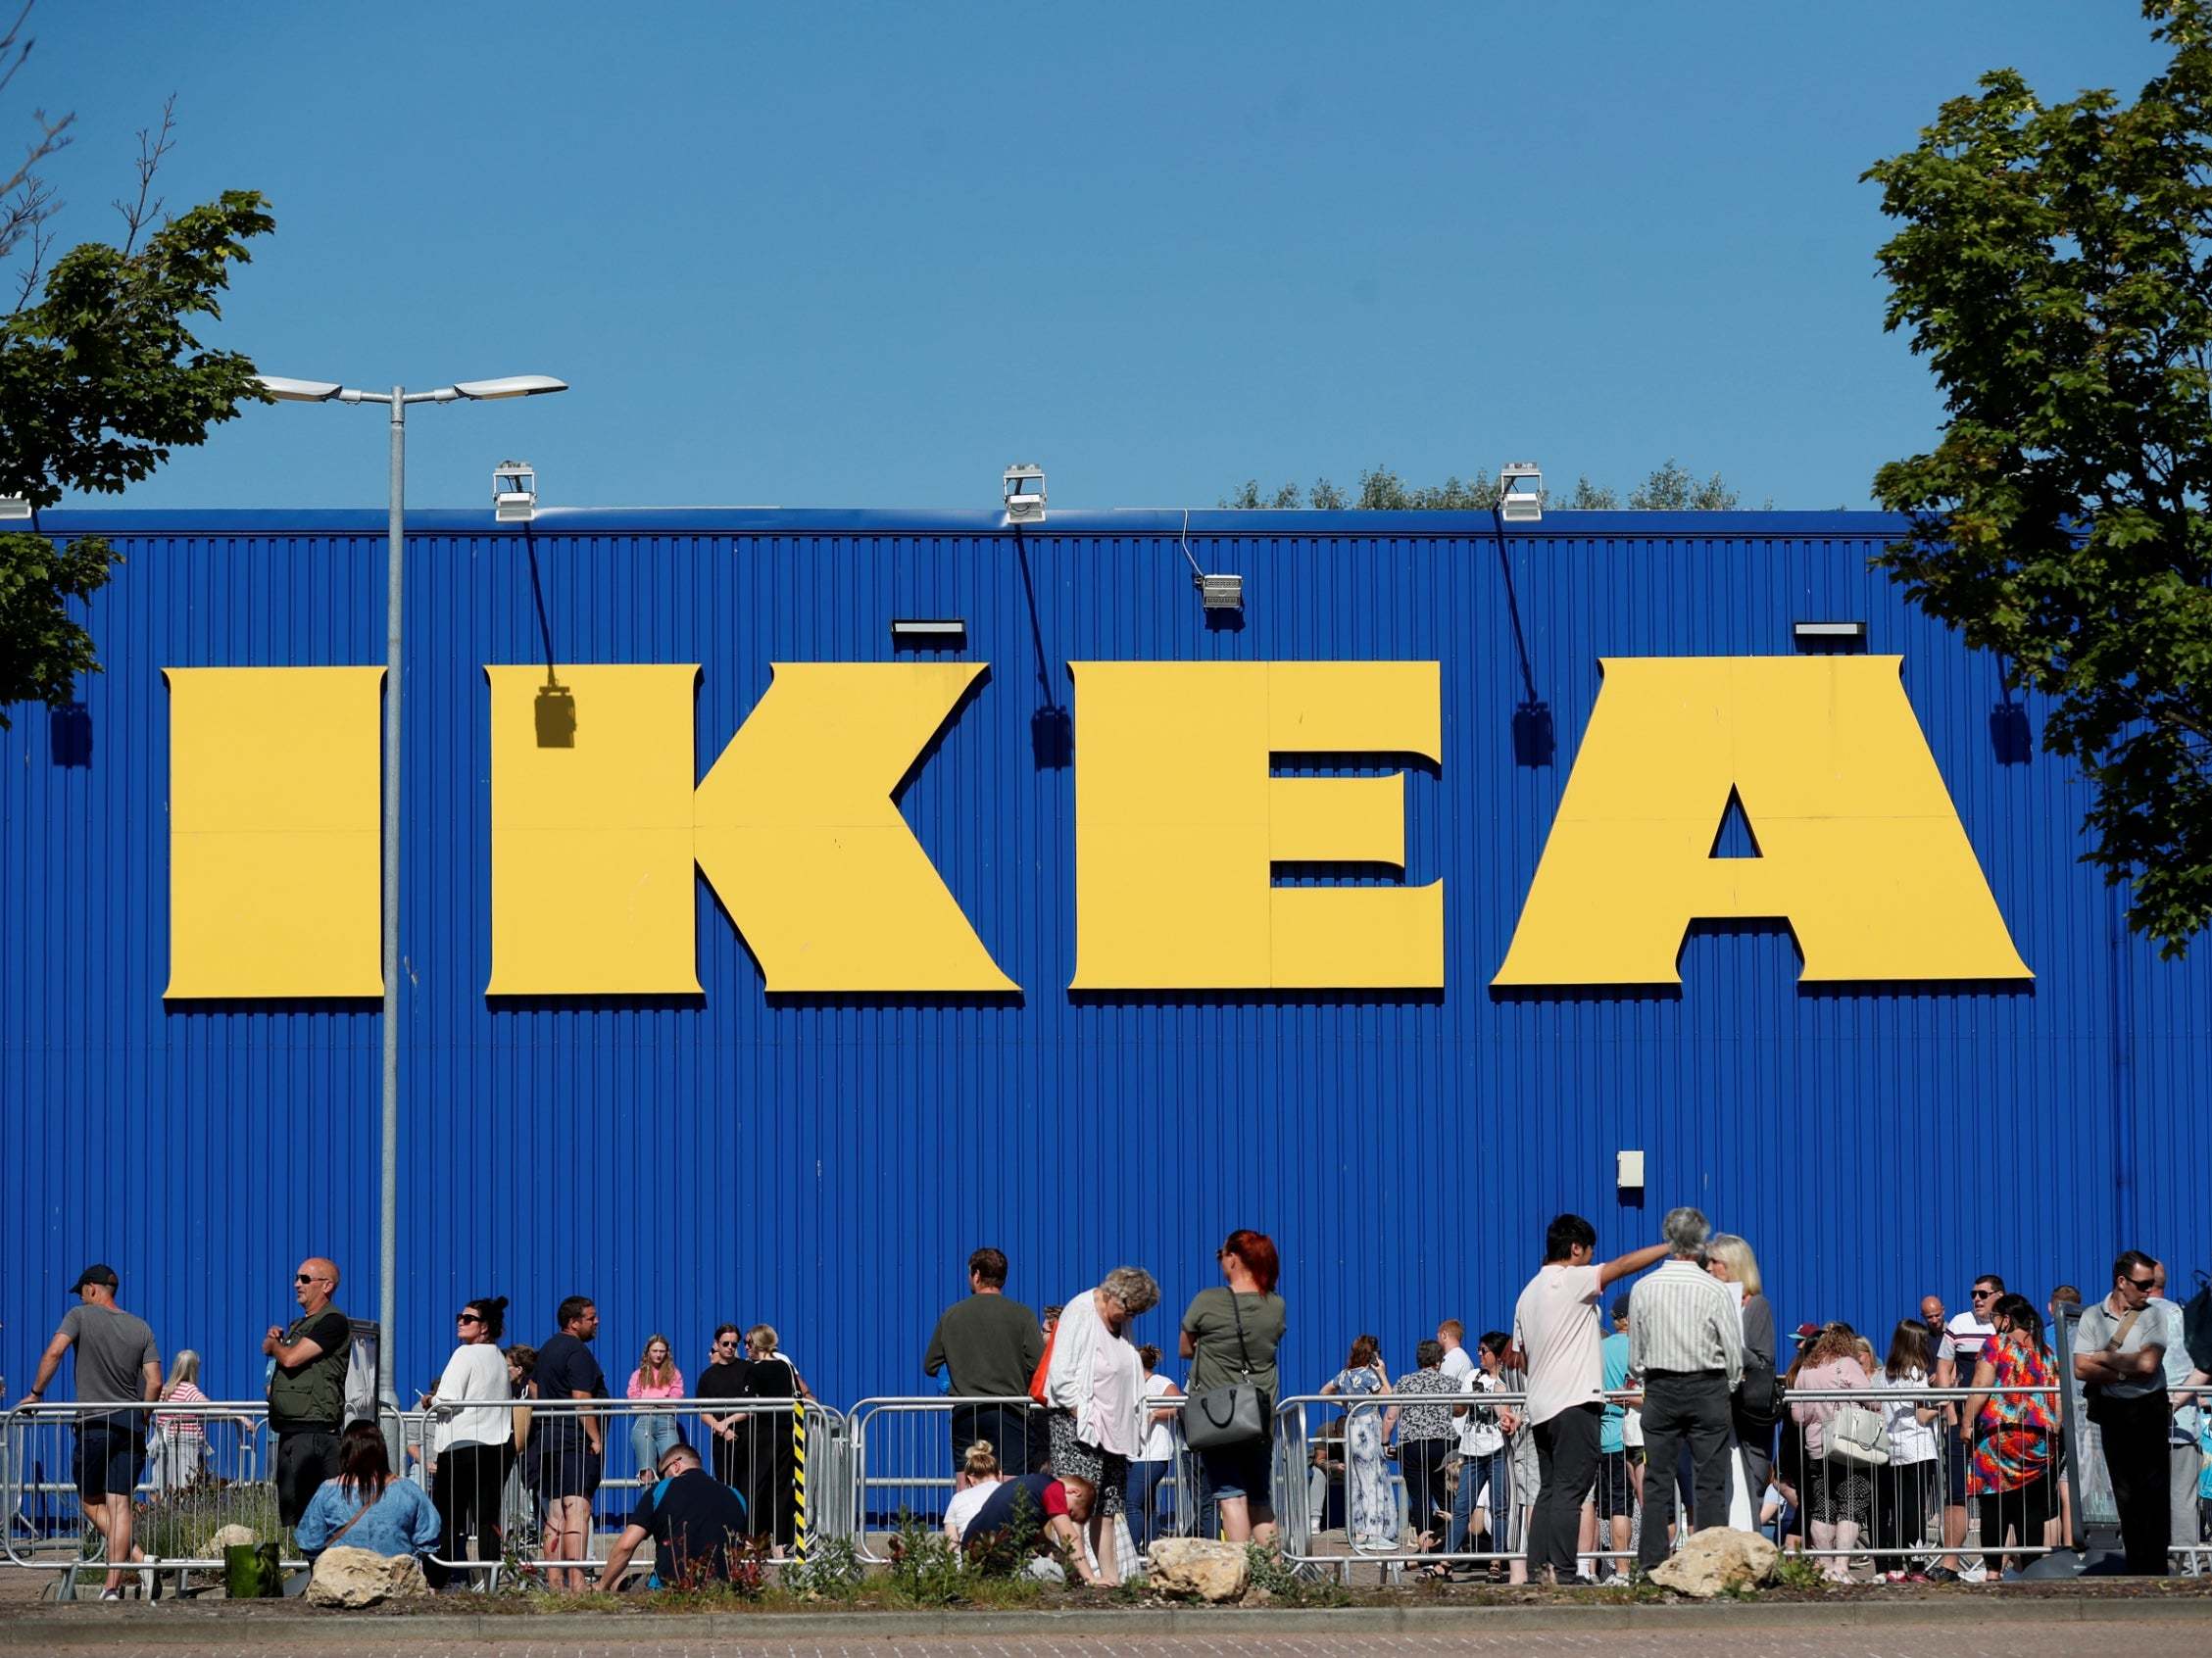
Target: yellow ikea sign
{"x": 1179, "y": 827}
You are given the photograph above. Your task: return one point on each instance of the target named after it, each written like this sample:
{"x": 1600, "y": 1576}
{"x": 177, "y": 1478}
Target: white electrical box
{"x": 1629, "y": 1175}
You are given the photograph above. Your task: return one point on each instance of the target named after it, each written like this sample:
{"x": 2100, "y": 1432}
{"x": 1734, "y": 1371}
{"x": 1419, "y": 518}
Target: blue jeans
{"x": 1496, "y": 1470}
{"x": 651, "y": 1435}
{"x": 1143, "y": 1507}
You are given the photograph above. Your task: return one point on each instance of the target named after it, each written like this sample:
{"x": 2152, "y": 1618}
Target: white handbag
{"x": 1857, "y": 1434}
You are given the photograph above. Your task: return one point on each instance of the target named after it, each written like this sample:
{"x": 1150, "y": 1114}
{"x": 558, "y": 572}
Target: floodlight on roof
{"x": 1024, "y": 483}
{"x": 1520, "y": 493}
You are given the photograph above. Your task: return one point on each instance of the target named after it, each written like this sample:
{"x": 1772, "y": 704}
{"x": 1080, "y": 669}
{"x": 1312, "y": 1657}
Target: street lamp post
{"x": 398, "y": 398}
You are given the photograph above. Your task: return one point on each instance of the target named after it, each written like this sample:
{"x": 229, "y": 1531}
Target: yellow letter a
{"x": 1860, "y": 848}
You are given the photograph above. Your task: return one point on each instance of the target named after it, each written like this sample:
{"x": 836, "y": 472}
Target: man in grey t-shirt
{"x": 116, "y": 1361}
{"x": 2120, "y": 1351}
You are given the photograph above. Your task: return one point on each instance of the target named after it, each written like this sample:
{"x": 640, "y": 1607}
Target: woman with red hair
{"x": 1230, "y": 1336}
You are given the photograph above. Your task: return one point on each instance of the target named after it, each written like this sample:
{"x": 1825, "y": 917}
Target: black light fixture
{"x": 1831, "y": 636}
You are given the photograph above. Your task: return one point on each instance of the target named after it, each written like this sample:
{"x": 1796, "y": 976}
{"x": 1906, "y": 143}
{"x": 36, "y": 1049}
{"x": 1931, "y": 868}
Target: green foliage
{"x": 99, "y": 381}
{"x": 181, "y": 1524}
{"x": 1288, "y": 1584}
{"x": 832, "y": 1571}
{"x": 1672, "y": 488}
{"x": 926, "y": 1570}
{"x": 1795, "y": 1572}
{"x": 2054, "y": 266}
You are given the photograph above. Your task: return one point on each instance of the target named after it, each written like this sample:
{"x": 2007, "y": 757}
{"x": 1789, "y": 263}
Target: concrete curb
{"x": 302, "y": 1630}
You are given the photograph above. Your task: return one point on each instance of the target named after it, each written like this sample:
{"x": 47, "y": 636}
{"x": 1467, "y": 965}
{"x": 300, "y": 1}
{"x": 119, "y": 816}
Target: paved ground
{"x": 2041, "y": 1631}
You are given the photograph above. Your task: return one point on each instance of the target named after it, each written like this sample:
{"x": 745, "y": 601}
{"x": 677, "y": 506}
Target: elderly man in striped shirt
{"x": 1685, "y": 1340}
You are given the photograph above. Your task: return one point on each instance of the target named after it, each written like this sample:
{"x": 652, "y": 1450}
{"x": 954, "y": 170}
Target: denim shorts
{"x": 1243, "y": 1469}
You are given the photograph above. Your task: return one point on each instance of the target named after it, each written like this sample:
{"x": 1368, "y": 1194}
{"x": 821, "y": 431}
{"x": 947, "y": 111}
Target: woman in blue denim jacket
{"x": 365, "y": 1507}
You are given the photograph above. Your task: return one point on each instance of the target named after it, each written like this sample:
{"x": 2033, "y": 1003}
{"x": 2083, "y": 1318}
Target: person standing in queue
{"x": 724, "y": 1379}
{"x": 770, "y": 1462}
{"x": 1228, "y": 1332}
{"x": 573, "y": 1447}
{"x": 1555, "y": 1324}
{"x": 991, "y": 1345}
{"x": 306, "y": 1390}
{"x": 472, "y": 1442}
{"x": 116, "y": 1362}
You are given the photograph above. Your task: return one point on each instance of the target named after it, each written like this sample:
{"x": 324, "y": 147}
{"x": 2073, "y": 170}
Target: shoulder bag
{"x": 1231, "y": 1415}
{"x": 1857, "y": 1434}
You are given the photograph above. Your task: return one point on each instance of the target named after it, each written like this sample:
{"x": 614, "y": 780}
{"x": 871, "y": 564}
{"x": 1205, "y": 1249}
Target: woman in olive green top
{"x": 1239, "y": 1475}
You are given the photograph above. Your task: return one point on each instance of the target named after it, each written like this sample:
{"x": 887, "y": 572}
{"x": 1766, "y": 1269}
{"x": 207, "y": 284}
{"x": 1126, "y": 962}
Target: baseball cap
{"x": 95, "y": 1274}
{"x": 1620, "y": 1307}
{"x": 1807, "y": 1332}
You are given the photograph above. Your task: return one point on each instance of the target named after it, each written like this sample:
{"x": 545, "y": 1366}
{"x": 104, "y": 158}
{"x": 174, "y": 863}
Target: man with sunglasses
{"x": 1958, "y": 1348}
{"x": 2120, "y": 1350}
{"x": 306, "y": 1387}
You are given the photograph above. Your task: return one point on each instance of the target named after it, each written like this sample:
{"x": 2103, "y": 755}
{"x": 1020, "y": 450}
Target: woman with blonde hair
{"x": 180, "y": 1440}
{"x": 653, "y": 1431}
{"x": 979, "y": 1473}
{"x": 1095, "y": 1399}
{"x": 1756, "y": 1405}
{"x": 769, "y": 1464}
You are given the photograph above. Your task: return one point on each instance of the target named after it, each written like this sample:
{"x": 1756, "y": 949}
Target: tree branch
{"x": 152, "y": 146}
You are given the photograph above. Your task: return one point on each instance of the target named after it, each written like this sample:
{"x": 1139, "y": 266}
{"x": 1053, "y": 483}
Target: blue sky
{"x": 865, "y": 254}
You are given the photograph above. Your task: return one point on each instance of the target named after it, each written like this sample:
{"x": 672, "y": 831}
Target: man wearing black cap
{"x": 116, "y": 1361}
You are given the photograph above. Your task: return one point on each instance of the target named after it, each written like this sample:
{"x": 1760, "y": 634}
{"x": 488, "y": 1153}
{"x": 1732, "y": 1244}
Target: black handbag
{"x": 1231, "y": 1415}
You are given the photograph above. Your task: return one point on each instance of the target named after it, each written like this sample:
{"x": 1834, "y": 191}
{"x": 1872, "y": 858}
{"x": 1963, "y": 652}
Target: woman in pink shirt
{"x": 652, "y": 1431}
{"x": 1838, "y": 1495}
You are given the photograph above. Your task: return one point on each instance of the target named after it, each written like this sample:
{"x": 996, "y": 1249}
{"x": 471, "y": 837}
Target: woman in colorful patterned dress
{"x": 2008, "y": 1428}
{"x": 1369, "y": 1514}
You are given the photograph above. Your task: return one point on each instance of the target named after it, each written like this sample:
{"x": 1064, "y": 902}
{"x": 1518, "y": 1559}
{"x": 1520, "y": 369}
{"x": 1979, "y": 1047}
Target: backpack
{"x": 2196, "y": 1324}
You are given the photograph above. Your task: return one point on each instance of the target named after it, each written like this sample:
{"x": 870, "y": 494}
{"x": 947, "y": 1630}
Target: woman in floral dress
{"x": 2010, "y": 1428}
{"x": 1370, "y": 1516}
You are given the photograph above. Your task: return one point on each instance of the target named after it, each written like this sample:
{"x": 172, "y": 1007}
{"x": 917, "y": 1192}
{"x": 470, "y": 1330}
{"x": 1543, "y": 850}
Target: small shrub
{"x": 926, "y": 1570}
{"x": 1293, "y": 1585}
{"x": 181, "y": 1524}
{"x": 1795, "y": 1572}
{"x": 831, "y": 1571}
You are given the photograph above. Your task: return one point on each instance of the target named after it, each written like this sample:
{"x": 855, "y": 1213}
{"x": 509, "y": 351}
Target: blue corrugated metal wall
{"x": 827, "y": 1166}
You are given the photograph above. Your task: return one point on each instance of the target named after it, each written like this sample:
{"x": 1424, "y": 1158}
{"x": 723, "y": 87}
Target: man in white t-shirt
{"x": 1956, "y": 1355}
{"x": 1555, "y": 1325}
{"x": 1458, "y": 1364}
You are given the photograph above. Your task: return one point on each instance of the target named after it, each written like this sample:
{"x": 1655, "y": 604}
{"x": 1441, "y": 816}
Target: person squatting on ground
{"x": 692, "y": 1518}
{"x": 991, "y": 1344}
{"x": 116, "y": 1362}
{"x": 1232, "y": 1334}
{"x": 471, "y": 1444}
{"x": 306, "y": 1387}
{"x": 572, "y": 1447}
{"x": 1686, "y": 1341}
{"x": 1555, "y": 1324}
{"x": 1094, "y": 1394}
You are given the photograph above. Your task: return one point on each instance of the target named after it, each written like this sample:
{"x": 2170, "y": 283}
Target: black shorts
{"x": 1616, "y": 1497}
{"x": 109, "y": 1457}
{"x": 569, "y": 1468}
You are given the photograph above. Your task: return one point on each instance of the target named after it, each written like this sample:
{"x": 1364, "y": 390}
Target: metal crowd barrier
{"x": 907, "y": 1453}
{"x": 201, "y": 1467}
{"x": 787, "y": 1458}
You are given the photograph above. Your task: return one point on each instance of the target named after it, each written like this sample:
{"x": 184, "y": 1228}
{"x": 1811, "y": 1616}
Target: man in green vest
{"x": 306, "y": 1390}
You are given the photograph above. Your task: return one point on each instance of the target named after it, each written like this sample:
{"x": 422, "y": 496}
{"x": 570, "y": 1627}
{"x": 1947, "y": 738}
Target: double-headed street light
{"x": 396, "y": 399}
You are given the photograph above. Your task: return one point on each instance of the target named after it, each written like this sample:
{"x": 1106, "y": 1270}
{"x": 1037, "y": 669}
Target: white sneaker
{"x": 1974, "y": 1570}
{"x": 1618, "y": 1580}
{"x": 111, "y": 1595}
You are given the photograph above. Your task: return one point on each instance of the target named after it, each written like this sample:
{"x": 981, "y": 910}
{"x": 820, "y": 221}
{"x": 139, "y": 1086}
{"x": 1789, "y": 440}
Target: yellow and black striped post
{"x": 799, "y": 1480}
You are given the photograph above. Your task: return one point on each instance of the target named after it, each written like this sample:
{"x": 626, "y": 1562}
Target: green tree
{"x": 2054, "y": 266}
{"x": 99, "y": 380}
{"x": 1673, "y": 488}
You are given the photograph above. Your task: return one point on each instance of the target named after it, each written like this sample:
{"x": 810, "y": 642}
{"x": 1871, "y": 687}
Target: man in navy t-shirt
{"x": 1056, "y": 1506}
{"x": 568, "y": 1442}
{"x": 692, "y": 1518}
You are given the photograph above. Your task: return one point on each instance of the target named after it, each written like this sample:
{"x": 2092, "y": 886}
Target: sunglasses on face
{"x": 2143, "y": 1284}
{"x": 466, "y": 1318}
{"x": 1984, "y": 1295}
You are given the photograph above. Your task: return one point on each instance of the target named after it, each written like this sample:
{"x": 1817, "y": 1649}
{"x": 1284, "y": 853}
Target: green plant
{"x": 1294, "y": 1585}
{"x": 181, "y": 1524}
{"x": 926, "y": 1570}
{"x": 831, "y": 1571}
{"x": 1795, "y": 1572}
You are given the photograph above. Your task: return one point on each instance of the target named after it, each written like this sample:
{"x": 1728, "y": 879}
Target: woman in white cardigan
{"x": 1094, "y": 1394}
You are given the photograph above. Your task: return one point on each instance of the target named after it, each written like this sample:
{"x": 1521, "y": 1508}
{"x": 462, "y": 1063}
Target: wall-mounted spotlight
{"x": 1829, "y": 635}
{"x": 1520, "y": 493}
{"x": 1025, "y": 493}
{"x": 949, "y": 633}
{"x": 515, "y": 491}
{"x": 1220, "y": 592}
{"x": 14, "y": 509}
